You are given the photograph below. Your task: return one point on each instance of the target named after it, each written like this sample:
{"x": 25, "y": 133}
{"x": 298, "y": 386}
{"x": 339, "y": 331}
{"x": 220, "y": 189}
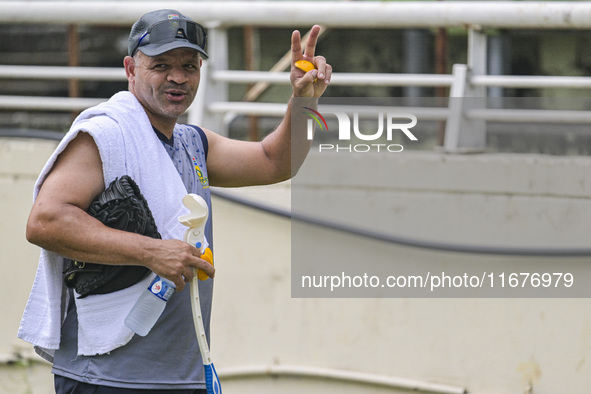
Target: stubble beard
{"x": 169, "y": 109}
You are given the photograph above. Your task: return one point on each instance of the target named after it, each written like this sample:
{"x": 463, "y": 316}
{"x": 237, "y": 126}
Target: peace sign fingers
{"x": 308, "y": 82}
{"x": 311, "y": 43}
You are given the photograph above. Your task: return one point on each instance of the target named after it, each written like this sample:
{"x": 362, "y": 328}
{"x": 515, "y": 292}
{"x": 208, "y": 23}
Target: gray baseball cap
{"x": 164, "y": 30}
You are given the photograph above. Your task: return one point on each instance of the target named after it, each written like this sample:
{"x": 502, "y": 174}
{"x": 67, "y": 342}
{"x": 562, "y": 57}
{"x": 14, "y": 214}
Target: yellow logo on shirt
{"x": 202, "y": 179}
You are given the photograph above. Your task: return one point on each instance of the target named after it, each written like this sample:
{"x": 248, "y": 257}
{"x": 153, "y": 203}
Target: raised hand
{"x": 312, "y": 83}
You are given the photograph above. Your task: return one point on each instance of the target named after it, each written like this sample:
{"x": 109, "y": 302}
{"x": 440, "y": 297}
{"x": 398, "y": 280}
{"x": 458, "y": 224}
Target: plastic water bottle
{"x": 149, "y": 306}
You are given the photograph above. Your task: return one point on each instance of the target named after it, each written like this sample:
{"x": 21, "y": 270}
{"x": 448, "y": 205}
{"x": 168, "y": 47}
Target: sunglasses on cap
{"x": 171, "y": 30}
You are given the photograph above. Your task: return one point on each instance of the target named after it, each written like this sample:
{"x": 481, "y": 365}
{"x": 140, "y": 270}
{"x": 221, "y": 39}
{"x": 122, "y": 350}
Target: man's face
{"x": 165, "y": 84}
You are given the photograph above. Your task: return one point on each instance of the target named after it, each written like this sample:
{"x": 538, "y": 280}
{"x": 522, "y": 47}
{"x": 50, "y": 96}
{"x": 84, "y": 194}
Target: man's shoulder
{"x": 100, "y": 127}
{"x": 189, "y": 130}
{"x": 99, "y": 122}
{"x": 196, "y": 133}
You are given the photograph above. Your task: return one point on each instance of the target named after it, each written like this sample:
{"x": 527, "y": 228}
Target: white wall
{"x": 484, "y": 345}
{"x": 21, "y": 161}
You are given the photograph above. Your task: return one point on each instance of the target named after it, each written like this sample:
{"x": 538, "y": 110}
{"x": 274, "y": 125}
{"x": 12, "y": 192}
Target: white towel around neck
{"x": 127, "y": 146}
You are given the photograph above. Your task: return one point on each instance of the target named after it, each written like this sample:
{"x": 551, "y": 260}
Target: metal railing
{"x": 465, "y": 128}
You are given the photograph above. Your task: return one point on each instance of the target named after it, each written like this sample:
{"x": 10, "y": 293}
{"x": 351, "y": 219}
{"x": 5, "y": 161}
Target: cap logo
{"x": 173, "y": 16}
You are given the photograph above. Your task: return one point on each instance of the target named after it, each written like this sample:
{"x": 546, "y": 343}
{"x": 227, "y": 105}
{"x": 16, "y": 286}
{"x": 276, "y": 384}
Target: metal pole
{"x": 216, "y": 91}
{"x": 374, "y": 14}
{"x": 497, "y": 63}
{"x": 251, "y": 61}
{"x": 440, "y": 69}
{"x": 415, "y": 58}
{"x": 73, "y": 61}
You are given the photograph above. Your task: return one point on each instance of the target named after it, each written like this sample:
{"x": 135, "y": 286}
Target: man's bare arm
{"x": 58, "y": 221}
{"x": 279, "y": 155}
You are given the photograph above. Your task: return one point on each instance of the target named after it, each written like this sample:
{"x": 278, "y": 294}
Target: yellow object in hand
{"x": 207, "y": 256}
{"x": 305, "y": 65}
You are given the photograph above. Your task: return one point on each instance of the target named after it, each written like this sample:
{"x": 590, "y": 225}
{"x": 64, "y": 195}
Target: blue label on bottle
{"x": 161, "y": 289}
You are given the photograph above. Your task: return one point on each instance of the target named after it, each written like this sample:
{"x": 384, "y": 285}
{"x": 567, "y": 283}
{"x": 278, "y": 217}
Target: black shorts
{"x": 65, "y": 385}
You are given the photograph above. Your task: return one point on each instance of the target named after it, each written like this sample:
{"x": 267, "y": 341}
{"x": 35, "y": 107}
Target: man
{"x": 96, "y": 353}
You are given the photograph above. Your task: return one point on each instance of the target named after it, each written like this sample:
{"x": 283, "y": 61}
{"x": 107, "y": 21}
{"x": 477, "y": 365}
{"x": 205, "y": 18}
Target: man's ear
{"x": 129, "y": 64}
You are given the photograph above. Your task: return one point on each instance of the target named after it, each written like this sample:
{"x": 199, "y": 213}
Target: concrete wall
{"x": 21, "y": 161}
{"x": 484, "y": 345}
